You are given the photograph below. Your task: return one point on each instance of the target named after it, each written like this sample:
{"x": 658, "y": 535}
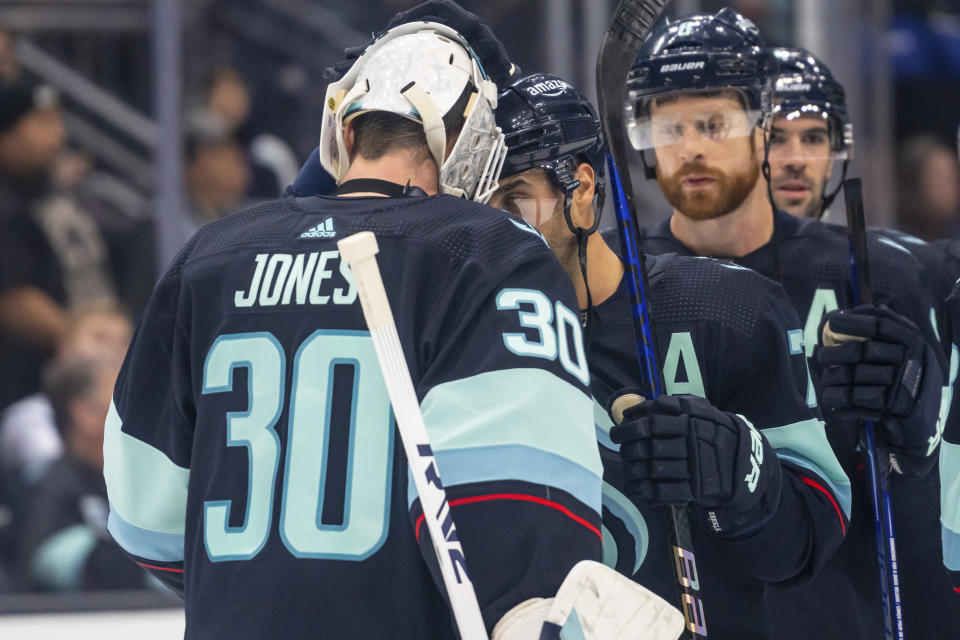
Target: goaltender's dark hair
{"x": 379, "y": 132}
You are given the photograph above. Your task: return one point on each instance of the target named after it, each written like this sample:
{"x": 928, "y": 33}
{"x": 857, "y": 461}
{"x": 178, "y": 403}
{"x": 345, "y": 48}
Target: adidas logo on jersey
{"x": 322, "y": 230}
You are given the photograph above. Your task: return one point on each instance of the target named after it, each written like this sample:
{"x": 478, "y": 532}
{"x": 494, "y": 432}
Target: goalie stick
{"x": 878, "y": 458}
{"x": 359, "y": 250}
{"x": 631, "y": 23}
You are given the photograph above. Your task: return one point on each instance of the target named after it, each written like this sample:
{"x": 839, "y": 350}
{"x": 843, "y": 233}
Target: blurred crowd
{"x": 75, "y": 272}
{"x": 74, "y": 275}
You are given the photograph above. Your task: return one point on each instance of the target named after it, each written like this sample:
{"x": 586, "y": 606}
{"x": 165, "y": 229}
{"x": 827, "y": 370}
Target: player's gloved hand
{"x": 681, "y": 449}
{"x": 491, "y": 52}
{"x": 876, "y": 365}
{"x": 313, "y": 180}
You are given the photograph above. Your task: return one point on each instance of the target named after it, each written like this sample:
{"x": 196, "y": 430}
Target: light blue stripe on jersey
{"x": 603, "y": 425}
{"x": 146, "y": 489}
{"x": 805, "y": 444}
{"x": 951, "y": 549}
{"x": 950, "y": 503}
{"x": 522, "y": 424}
{"x": 165, "y": 547}
{"x": 514, "y": 462}
{"x": 634, "y": 522}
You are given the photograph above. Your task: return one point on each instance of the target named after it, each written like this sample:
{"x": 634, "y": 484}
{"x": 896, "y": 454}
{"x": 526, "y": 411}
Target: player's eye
{"x": 815, "y": 138}
{"x": 777, "y": 138}
{"x": 668, "y": 132}
{"x": 714, "y": 128}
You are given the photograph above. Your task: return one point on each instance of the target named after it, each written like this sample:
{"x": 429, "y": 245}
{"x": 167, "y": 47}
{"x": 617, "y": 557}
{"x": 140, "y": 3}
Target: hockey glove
{"x": 313, "y": 180}
{"x": 680, "y": 449}
{"x": 876, "y": 365}
{"x": 493, "y": 56}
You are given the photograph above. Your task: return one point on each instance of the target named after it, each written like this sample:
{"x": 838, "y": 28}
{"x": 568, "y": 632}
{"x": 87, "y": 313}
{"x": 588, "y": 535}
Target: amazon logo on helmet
{"x": 547, "y": 124}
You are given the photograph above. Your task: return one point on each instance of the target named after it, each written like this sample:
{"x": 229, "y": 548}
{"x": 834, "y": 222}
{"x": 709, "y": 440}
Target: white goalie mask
{"x": 419, "y": 71}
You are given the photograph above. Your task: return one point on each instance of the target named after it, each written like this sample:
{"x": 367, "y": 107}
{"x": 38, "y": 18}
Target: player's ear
{"x": 582, "y": 209}
{"x": 349, "y": 138}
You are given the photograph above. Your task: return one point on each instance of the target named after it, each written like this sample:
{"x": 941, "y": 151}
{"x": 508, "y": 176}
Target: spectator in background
{"x": 216, "y": 174}
{"x": 29, "y": 438}
{"x": 273, "y": 165}
{"x": 9, "y": 65}
{"x": 64, "y": 544}
{"x": 929, "y": 189}
{"x": 52, "y": 256}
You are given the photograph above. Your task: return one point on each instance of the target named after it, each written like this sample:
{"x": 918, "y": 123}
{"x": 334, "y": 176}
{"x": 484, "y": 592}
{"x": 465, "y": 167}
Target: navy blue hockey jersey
{"x": 251, "y": 455}
{"x": 814, "y": 268}
{"x": 928, "y": 595}
{"x": 950, "y": 455}
{"x": 731, "y": 336}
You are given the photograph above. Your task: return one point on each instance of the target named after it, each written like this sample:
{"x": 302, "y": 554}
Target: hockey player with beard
{"x": 735, "y": 369}
{"x": 232, "y": 464}
{"x": 811, "y": 134}
{"x": 699, "y": 97}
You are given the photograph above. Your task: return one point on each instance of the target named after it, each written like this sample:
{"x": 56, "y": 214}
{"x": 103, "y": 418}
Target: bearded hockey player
{"x": 251, "y": 458}
{"x": 700, "y": 103}
{"x": 767, "y": 496}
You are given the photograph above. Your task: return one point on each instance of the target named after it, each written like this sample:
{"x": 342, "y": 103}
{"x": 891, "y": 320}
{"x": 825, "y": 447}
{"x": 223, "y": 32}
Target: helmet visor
{"x": 530, "y": 195}
{"x": 680, "y": 123}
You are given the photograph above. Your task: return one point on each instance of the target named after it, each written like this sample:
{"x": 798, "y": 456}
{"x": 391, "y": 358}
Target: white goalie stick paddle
{"x": 630, "y": 25}
{"x": 359, "y": 250}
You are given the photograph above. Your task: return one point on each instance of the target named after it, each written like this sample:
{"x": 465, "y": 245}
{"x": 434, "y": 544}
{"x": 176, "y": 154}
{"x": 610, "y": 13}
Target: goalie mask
{"x": 419, "y": 71}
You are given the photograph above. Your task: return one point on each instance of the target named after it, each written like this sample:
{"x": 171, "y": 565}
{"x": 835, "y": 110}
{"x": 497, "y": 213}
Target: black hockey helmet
{"x": 699, "y": 53}
{"x": 805, "y": 86}
{"x": 547, "y": 124}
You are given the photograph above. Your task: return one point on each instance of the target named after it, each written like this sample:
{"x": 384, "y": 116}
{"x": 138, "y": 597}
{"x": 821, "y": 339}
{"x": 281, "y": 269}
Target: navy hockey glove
{"x": 681, "y": 449}
{"x": 490, "y": 51}
{"x": 876, "y": 365}
{"x": 313, "y": 180}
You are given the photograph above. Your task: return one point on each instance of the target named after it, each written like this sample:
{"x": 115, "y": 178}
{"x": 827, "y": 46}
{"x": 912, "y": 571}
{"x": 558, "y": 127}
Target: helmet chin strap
{"x": 828, "y": 198}
{"x": 583, "y": 236}
{"x": 777, "y": 273}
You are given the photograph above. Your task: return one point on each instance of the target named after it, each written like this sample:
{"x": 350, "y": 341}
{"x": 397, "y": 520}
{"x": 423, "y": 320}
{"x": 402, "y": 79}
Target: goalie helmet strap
{"x": 383, "y": 187}
{"x": 432, "y": 121}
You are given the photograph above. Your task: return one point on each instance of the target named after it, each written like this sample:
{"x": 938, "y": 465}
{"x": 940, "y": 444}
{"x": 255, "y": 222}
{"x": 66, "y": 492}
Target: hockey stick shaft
{"x": 685, "y": 563}
{"x": 359, "y": 250}
{"x": 631, "y": 22}
{"x": 878, "y": 458}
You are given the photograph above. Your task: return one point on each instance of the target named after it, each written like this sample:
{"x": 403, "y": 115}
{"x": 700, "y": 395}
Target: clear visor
{"x": 676, "y": 124}
{"x": 532, "y": 197}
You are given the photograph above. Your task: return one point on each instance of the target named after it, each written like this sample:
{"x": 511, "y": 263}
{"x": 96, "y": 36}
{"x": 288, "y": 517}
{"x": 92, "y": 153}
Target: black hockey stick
{"x": 631, "y": 23}
{"x": 878, "y": 458}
